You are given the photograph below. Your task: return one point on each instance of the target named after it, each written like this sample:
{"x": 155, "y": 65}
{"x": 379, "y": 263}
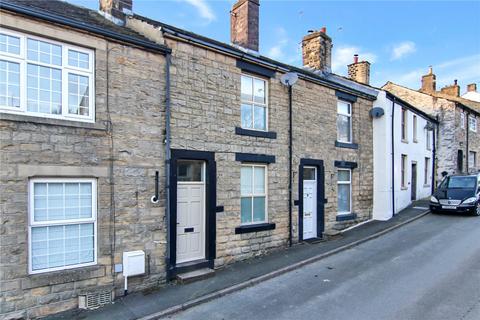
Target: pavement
{"x": 173, "y": 298}
{"x": 428, "y": 270}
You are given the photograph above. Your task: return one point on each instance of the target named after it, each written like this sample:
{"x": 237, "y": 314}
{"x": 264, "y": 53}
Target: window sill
{"x": 404, "y": 141}
{"x": 347, "y": 145}
{"x": 255, "y": 133}
{"x": 63, "y": 276}
{"x": 426, "y": 186}
{"x": 51, "y": 121}
{"x": 415, "y": 141}
{"x": 254, "y": 228}
{"x": 346, "y": 217}
{"x": 403, "y": 188}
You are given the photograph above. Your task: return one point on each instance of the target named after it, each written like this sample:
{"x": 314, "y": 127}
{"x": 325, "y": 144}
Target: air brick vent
{"x": 94, "y": 300}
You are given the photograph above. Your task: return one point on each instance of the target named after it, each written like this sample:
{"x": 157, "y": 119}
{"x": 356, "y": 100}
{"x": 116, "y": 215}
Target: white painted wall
{"x": 382, "y": 154}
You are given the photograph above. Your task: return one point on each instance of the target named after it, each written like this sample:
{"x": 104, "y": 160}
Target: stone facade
{"x": 452, "y": 135}
{"x": 121, "y": 150}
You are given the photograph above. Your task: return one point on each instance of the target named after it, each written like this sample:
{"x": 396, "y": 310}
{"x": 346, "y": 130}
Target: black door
{"x": 460, "y": 161}
{"x": 414, "y": 181}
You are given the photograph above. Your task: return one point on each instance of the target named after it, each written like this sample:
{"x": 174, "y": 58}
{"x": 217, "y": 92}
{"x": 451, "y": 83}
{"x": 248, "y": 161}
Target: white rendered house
{"x": 404, "y": 155}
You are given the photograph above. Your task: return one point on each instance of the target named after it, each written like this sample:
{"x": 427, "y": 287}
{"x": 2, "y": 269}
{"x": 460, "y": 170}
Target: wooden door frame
{"x": 320, "y": 195}
{"x": 210, "y": 210}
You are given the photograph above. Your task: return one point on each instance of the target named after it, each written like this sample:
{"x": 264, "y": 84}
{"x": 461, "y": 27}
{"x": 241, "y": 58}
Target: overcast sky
{"x": 400, "y": 39}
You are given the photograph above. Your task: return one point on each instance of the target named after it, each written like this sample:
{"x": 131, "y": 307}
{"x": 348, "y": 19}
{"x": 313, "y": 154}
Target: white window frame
{"x": 415, "y": 124}
{"x": 426, "y": 181}
{"x": 339, "y": 213}
{"x": 252, "y": 103}
{"x": 403, "y": 171}
{"x": 253, "y": 194}
{"x": 473, "y": 164}
{"x": 462, "y": 120}
{"x": 21, "y": 59}
{"x": 32, "y": 223}
{"x": 404, "y": 125}
{"x": 350, "y": 116}
{"x": 428, "y": 140}
{"x": 472, "y": 123}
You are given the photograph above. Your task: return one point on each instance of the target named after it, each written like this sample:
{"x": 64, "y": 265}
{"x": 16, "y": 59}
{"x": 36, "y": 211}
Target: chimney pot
{"x": 455, "y": 82}
{"x": 324, "y": 29}
{"x": 472, "y": 87}
{"x": 244, "y": 21}
{"x": 355, "y": 58}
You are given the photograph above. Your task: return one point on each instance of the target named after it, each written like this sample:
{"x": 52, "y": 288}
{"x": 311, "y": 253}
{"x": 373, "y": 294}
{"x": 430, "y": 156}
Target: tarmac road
{"x": 428, "y": 269}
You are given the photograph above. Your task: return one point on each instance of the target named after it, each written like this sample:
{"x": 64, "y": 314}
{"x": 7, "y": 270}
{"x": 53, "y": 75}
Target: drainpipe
{"x": 393, "y": 156}
{"x": 290, "y": 160}
{"x": 467, "y": 154}
{"x": 434, "y": 156}
{"x": 167, "y": 151}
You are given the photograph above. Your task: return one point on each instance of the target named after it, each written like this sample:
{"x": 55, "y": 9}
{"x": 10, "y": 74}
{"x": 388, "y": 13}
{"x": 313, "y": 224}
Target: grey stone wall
{"x": 127, "y": 137}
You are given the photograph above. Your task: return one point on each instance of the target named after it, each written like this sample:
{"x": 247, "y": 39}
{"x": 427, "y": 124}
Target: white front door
{"x": 190, "y": 210}
{"x": 309, "y": 203}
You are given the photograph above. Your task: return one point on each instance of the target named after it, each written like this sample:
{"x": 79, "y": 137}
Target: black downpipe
{"x": 290, "y": 160}
{"x": 167, "y": 153}
{"x": 467, "y": 153}
{"x": 393, "y": 156}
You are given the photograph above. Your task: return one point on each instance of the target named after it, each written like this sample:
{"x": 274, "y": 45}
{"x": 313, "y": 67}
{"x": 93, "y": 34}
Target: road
{"x": 429, "y": 269}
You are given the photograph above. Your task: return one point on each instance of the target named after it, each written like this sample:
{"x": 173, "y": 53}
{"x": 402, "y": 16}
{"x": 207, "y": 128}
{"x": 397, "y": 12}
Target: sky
{"x": 400, "y": 39}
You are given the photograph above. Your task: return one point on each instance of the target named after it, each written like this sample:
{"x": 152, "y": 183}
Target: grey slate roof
{"x": 81, "y": 17}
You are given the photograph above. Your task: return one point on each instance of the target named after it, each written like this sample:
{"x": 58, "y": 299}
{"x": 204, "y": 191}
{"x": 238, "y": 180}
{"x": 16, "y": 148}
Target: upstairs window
{"x": 428, "y": 139}
{"x": 462, "y": 120}
{"x": 414, "y": 128}
{"x": 344, "y": 122}
{"x": 44, "y": 78}
{"x": 404, "y": 124}
{"x": 254, "y": 103}
{"x": 472, "y": 123}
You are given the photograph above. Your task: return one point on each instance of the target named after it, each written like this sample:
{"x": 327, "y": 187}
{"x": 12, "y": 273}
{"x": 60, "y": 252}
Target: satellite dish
{"x": 289, "y": 79}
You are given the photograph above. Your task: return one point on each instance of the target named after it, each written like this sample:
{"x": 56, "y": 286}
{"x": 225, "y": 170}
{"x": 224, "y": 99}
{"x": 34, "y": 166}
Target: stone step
{"x": 332, "y": 234}
{"x": 195, "y": 275}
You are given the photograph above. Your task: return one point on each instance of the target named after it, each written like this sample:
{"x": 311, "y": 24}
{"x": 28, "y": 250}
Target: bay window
{"x": 253, "y": 194}
{"x": 45, "y": 78}
{"x": 254, "y": 103}
{"x": 62, "y": 224}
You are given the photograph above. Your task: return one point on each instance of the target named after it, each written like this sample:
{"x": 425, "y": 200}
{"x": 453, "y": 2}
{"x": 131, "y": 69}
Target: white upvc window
{"x": 344, "y": 189}
{"x": 253, "y": 179}
{"x": 62, "y": 224}
{"x": 472, "y": 124}
{"x": 415, "y": 120}
{"x": 404, "y": 125}
{"x": 462, "y": 120}
{"x": 427, "y": 171}
{"x": 45, "y": 78}
{"x": 404, "y": 171}
{"x": 472, "y": 160}
{"x": 344, "y": 121}
{"x": 254, "y": 99}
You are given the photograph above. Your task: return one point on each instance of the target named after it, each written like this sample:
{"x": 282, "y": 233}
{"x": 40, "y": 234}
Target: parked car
{"x": 457, "y": 193}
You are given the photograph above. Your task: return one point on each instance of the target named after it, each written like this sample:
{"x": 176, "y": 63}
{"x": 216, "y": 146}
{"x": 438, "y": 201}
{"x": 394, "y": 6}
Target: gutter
{"x": 303, "y": 74}
{"x": 43, "y": 15}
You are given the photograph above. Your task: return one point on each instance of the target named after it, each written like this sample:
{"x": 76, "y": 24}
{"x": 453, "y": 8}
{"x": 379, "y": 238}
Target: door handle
{"x": 186, "y": 230}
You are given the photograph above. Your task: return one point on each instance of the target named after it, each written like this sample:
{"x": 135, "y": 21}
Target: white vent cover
{"x": 133, "y": 263}
{"x": 94, "y": 300}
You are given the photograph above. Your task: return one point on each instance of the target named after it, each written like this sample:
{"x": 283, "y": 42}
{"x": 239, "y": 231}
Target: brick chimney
{"x": 472, "y": 87}
{"x": 359, "y": 71}
{"x": 244, "y": 20}
{"x": 317, "y": 50}
{"x": 429, "y": 82}
{"x": 452, "y": 90}
{"x": 115, "y": 10}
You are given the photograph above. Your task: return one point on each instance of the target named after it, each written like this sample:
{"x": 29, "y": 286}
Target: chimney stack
{"x": 452, "y": 90}
{"x": 472, "y": 87}
{"x": 429, "y": 82}
{"x": 244, "y": 21}
{"x": 359, "y": 71}
{"x": 317, "y": 50}
{"x": 116, "y": 10}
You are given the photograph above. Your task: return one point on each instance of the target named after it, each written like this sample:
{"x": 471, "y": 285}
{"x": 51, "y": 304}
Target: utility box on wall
{"x": 133, "y": 263}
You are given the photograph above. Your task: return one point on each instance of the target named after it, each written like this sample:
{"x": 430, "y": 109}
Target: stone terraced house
{"x": 458, "y": 137}
{"x": 134, "y": 148}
